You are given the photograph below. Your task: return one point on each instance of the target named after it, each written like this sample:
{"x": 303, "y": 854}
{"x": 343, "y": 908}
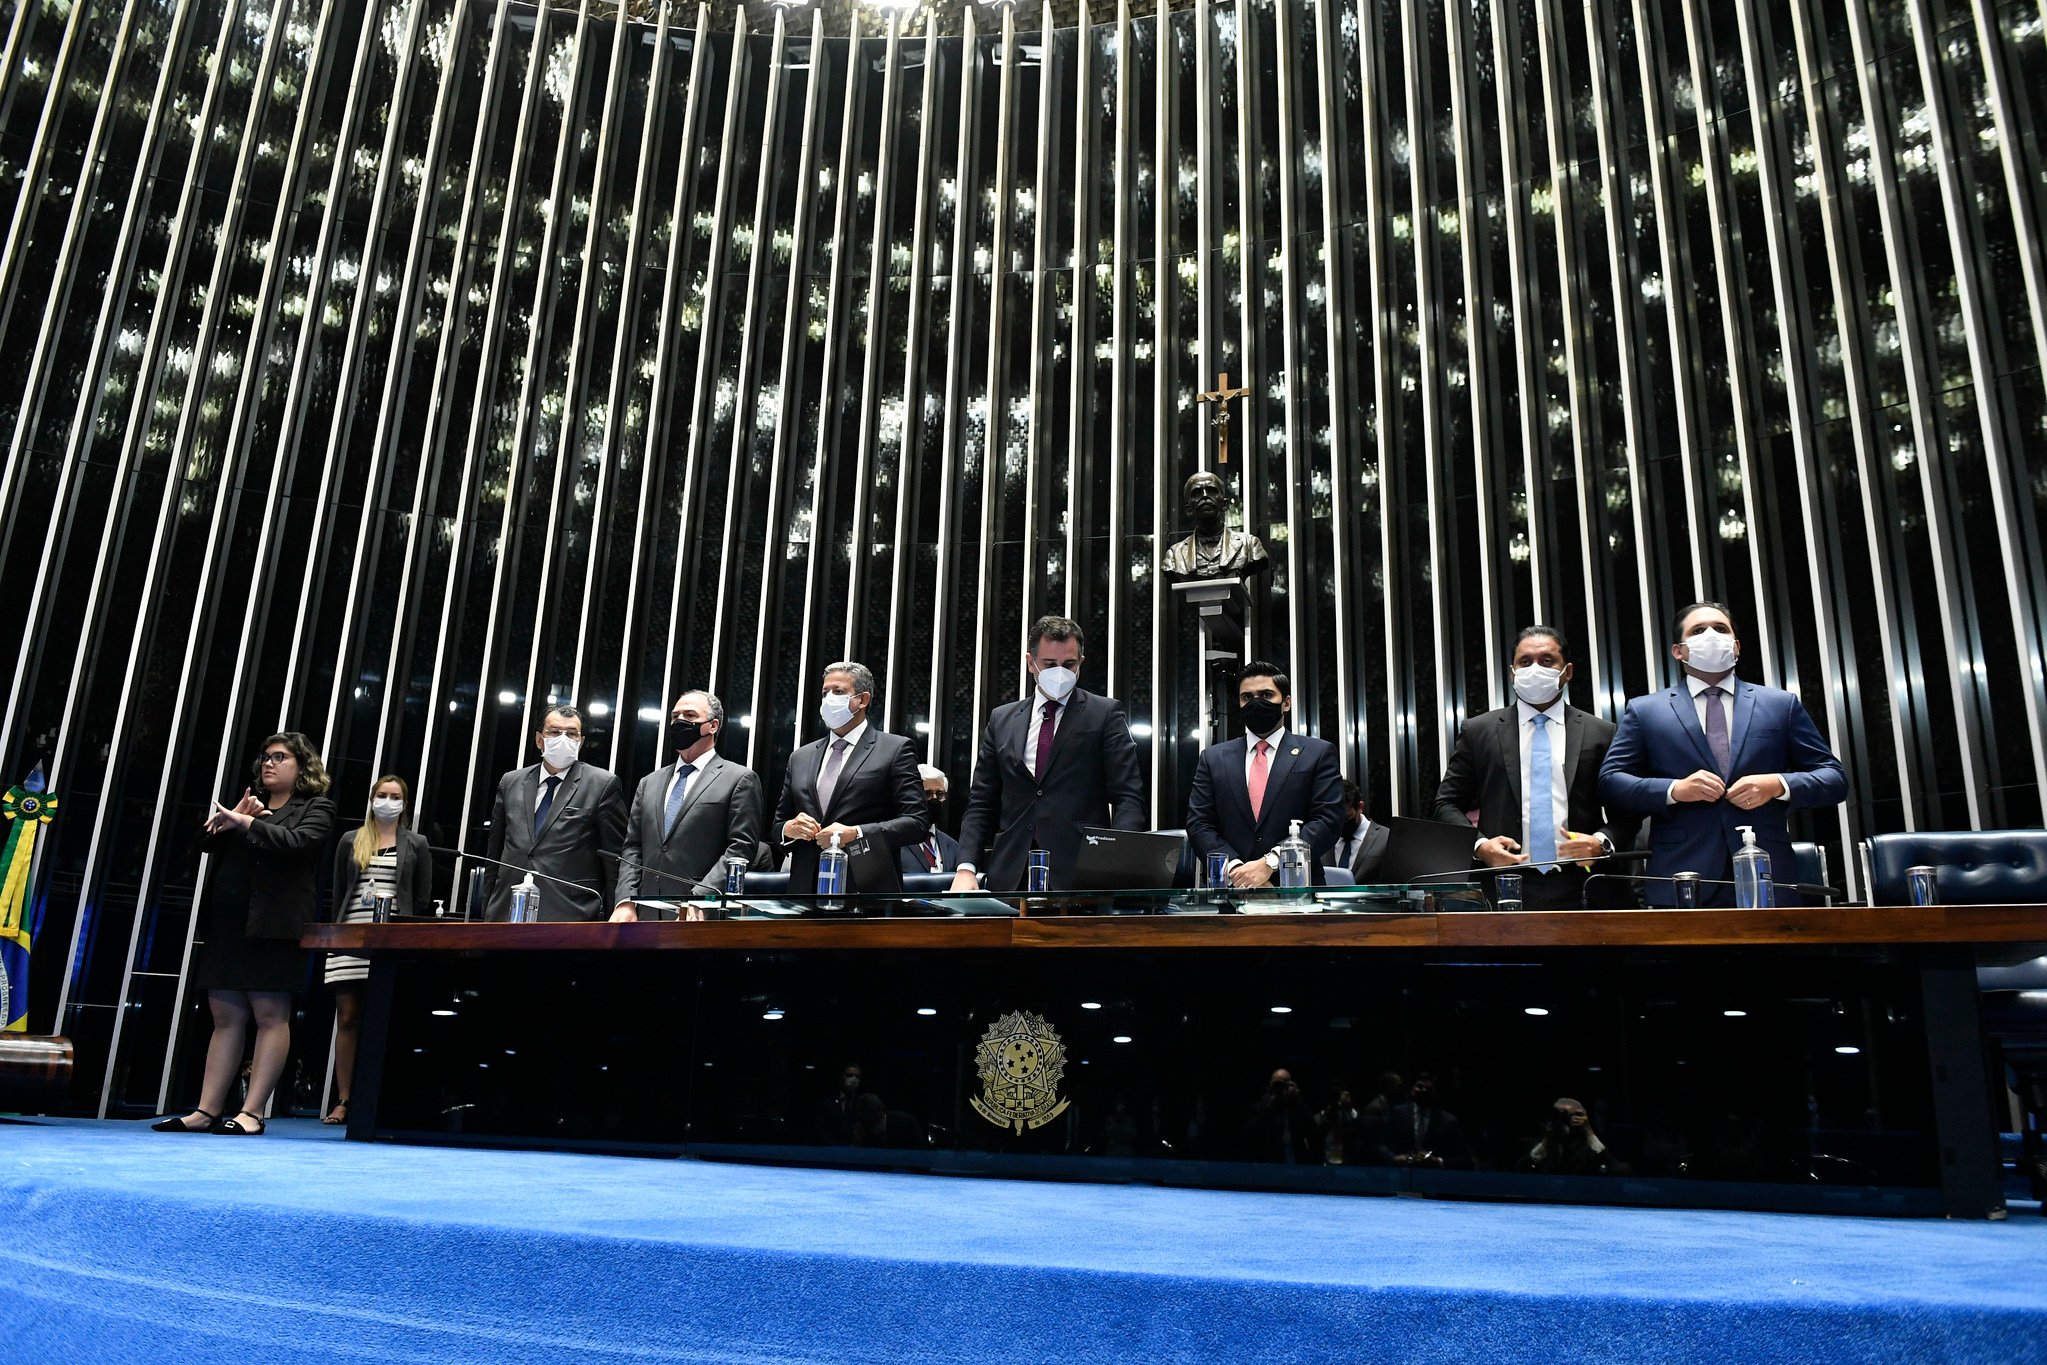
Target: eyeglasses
{"x": 277, "y": 756}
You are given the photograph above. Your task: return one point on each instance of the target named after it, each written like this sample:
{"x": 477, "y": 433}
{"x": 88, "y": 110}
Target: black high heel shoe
{"x": 233, "y": 1127}
{"x": 175, "y": 1123}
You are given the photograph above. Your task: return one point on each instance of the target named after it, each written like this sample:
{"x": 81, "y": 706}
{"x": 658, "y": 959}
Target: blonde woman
{"x": 381, "y": 860}
{"x": 266, "y": 849}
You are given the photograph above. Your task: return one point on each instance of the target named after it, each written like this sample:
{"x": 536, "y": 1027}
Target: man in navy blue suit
{"x": 1712, "y": 754}
{"x": 1248, "y": 790}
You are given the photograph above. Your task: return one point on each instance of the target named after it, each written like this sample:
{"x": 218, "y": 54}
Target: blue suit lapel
{"x": 1229, "y": 757}
{"x": 1744, "y": 711}
{"x": 1687, "y": 713}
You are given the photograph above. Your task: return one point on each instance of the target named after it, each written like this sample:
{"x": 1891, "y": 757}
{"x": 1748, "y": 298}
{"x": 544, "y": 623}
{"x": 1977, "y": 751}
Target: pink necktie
{"x": 1259, "y": 768}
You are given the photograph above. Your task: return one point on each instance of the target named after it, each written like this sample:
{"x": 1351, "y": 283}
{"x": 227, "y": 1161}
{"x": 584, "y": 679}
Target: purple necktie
{"x": 1045, "y": 733}
{"x": 1716, "y": 730}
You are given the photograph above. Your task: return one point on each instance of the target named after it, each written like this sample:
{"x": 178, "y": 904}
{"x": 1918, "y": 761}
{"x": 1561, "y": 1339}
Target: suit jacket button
{"x": 1041, "y": 791}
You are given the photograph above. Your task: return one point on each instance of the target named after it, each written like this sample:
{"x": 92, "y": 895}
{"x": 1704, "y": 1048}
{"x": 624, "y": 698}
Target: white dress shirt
{"x": 697, "y": 768}
{"x": 540, "y": 787}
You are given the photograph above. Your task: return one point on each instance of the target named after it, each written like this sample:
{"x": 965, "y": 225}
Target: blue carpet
{"x": 121, "y": 1244}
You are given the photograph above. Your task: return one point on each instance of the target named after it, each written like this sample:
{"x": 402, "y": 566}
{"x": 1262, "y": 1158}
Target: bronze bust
{"x": 1214, "y": 550}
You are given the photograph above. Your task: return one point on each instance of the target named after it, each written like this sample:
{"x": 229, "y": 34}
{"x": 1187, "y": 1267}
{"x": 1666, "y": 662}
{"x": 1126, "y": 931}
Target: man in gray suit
{"x": 690, "y": 815}
{"x": 857, "y": 782}
{"x": 561, "y": 818}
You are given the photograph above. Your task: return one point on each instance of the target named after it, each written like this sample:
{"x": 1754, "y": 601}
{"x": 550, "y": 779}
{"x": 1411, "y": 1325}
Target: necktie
{"x": 546, "y": 804}
{"x": 1045, "y": 733}
{"x": 1261, "y": 768}
{"x": 683, "y": 772}
{"x": 1716, "y": 730}
{"x": 928, "y": 851}
{"x": 1542, "y": 819}
{"x": 828, "y": 782}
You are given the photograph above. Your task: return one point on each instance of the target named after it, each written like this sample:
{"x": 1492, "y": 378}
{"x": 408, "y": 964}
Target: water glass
{"x": 1507, "y": 890}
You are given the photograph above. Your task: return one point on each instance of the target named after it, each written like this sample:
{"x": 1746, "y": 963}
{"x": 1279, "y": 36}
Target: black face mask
{"x": 684, "y": 733}
{"x": 1261, "y": 715}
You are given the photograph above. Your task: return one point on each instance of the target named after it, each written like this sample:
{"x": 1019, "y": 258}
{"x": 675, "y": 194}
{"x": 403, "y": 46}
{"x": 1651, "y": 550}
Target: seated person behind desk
{"x": 1360, "y": 844}
{"x": 1249, "y": 790}
{"x": 938, "y": 851}
{"x": 690, "y": 815}
{"x": 1712, "y": 754}
{"x": 858, "y": 782}
{"x": 1531, "y": 771}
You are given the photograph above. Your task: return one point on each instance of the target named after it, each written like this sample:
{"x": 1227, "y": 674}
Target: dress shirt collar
{"x": 1527, "y": 714}
{"x": 1251, "y": 741}
{"x": 1698, "y": 685}
{"x": 852, "y": 738}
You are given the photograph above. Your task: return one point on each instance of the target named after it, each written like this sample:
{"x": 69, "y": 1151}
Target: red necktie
{"x": 1260, "y": 768}
{"x": 1045, "y": 733}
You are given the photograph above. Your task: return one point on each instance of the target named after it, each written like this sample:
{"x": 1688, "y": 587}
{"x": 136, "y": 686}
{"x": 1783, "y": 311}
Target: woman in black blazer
{"x": 380, "y": 859}
{"x": 266, "y": 849}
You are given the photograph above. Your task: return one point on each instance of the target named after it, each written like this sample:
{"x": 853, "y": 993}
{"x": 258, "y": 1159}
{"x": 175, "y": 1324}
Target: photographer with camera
{"x": 1569, "y": 1146}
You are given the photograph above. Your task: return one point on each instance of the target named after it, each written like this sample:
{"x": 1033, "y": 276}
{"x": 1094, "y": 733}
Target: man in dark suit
{"x": 690, "y": 815}
{"x": 1531, "y": 772}
{"x": 856, "y": 782}
{"x": 561, "y": 818}
{"x": 1248, "y": 791}
{"x": 1360, "y": 843}
{"x": 937, "y": 851}
{"x": 1712, "y": 754}
{"x": 1049, "y": 764}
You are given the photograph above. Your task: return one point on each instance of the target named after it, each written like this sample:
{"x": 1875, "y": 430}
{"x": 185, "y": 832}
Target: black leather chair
{"x": 1972, "y": 866}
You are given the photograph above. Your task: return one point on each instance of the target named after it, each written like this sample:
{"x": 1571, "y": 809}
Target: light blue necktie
{"x": 675, "y": 793}
{"x": 1542, "y": 824}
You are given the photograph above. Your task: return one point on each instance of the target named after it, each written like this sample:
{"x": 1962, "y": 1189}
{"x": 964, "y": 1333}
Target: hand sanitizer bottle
{"x": 526, "y": 901}
{"x": 1295, "y": 874}
{"x": 831, "y": 870}
{"x": 1752, "y": 873}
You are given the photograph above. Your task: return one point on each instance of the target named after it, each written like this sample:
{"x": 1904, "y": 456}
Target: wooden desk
{"x": 719, "y": 1038}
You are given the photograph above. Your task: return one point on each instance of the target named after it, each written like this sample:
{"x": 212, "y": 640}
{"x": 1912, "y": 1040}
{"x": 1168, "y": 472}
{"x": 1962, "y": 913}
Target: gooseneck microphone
{"x": 511, "y": 867}
{"x": 1628, "y": 855}
{"x": 677, "y": 877}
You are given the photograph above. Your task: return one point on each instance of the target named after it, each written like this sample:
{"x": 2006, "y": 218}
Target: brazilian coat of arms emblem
{"x": 1021, "y": 1061}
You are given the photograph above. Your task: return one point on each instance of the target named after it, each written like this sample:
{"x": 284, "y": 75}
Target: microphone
{"x": 1626, "y": 855}
{"x": 509, "y": 867}
{"x": 1802, "y": 888}
{"x": 714, "y": 889}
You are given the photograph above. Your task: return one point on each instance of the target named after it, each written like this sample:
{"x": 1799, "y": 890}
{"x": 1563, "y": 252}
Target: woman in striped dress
{"x": 381, "y": 860}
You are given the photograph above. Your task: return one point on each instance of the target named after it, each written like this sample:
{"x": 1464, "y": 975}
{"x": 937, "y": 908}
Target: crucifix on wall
{"x": 1221, "y": 395}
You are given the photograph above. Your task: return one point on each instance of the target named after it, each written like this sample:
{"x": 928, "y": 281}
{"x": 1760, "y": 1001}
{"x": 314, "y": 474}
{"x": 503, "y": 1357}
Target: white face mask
{"x": 836, "y": 709}
{"x": 1055, "y": 682}
{"x": 560, "y": 750}
{"x": 1538, "y": 684}
{"x": 387, "y": 808}
{"x": 1710, "y": 651}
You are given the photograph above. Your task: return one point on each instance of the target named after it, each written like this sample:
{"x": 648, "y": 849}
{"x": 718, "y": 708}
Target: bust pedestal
{"x": 1218, "y": 604}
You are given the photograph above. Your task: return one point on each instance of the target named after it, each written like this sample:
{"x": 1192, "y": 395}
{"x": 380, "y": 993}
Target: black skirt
{"x": 227, "y": 958}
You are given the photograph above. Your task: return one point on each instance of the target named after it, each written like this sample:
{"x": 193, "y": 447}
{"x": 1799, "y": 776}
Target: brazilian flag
{"x": 24, "y": 810}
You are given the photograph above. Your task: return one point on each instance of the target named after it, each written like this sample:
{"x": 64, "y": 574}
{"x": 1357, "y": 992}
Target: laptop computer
{"x": 1126, "y": 859}
{"x": 1423, "y": 848}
